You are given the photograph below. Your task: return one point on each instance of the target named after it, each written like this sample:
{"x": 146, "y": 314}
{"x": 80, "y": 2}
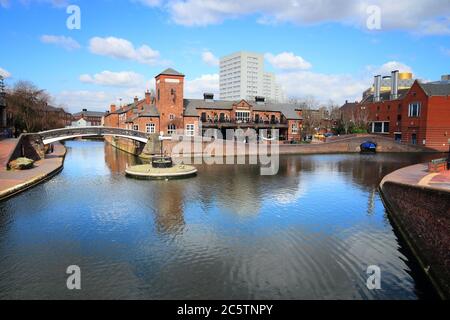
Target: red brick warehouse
{"x": 170, "y": 112}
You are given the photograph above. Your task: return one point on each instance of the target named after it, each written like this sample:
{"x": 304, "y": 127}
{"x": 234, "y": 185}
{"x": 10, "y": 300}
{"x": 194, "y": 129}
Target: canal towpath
{"x": 13, "y": 182}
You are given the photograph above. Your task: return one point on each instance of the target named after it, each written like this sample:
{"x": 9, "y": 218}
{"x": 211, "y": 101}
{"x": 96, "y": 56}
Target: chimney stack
{"x": 208, "y": 96}
{"x": 377, "y": 88}
{"x": 260, "y": 100}
{"x": 394, "y": 85}
{"x": 148, "y": 97}
{"x": 112, "y": 108}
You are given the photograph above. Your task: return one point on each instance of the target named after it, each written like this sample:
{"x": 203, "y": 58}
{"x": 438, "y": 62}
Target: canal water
{"x": 308, "y": 233}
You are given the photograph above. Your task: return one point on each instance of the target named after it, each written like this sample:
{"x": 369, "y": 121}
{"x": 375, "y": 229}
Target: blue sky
{"x": 325, "y": 51}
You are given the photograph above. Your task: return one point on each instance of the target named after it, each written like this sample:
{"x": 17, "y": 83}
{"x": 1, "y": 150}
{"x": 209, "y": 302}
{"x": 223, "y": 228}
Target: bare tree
{"x": 30, "y": 110}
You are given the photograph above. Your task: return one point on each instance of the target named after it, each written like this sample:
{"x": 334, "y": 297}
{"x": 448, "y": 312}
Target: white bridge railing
{"x": 67, "y": 133}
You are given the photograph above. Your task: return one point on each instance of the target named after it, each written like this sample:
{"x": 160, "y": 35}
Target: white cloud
{"x": 429, "y": 17}
{"x": 150, "y": 3}
{"x": 336, "y": 87}
{"x": 323, "y": 87}
{"x": 287, "y": 61}
{"x": 123, "y": 49}
{"x": 210, "y": 59}
{"x": 54, "y": 3}
{"x": 100, "y": 100}
{"x": 117, "y": 79}
{"x": 388, "y": 67}
{"x": 5, "y": 74}
{"x": 438, "y": 27}
{"x": 205, "y": 83}
{"x": 65, "y": 42}
{"x": 74, "y": 101}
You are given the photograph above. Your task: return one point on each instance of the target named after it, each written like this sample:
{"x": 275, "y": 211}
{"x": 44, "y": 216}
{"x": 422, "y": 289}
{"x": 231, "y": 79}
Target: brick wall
{"x": 438, "y": 123}
{"x": 423, "y": 217}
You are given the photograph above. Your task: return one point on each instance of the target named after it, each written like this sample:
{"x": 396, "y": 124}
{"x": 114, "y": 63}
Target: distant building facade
{"x": 90, "y": 118}
{"x": 57, "y": 117}
{"x": 169, "y": 112}
{"x": 242, "y": 76}
{"x": 416, "y": 115}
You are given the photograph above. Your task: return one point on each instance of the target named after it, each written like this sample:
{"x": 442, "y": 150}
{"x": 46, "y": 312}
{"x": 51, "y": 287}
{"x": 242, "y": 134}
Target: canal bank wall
{"x": 419, "y": 205}
{"x": 343, "y": 144}
{"x": 13, "y": 182}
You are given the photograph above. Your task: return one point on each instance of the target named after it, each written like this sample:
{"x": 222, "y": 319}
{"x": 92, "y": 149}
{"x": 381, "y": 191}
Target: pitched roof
{"x": 191, "y": 105}
{"x": 349, "y": 105}
{"x": 385, "y": 96}
{"x": 436, "y": 89}
{"x": 89, "y": 114}
{"x": 149, "y": 111}
{"x": 288, "y": 110}
{"x": 171, "y": 72}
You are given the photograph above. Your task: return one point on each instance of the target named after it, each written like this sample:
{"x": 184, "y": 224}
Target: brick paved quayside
{"x": 13, "y": 182}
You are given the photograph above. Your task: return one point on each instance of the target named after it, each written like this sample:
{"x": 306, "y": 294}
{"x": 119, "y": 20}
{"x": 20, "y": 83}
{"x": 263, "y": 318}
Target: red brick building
{"x": 169, "y": 112}
{"x": 418, "y": 115}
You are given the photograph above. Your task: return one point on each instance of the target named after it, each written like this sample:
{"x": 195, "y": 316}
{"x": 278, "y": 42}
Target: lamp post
{"x": 161, "y": 139}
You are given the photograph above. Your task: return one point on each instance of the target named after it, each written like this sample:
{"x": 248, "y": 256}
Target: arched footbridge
{"x": 70, "y": 133}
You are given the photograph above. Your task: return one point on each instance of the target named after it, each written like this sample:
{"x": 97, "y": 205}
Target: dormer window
{"x": 172, "y": 117}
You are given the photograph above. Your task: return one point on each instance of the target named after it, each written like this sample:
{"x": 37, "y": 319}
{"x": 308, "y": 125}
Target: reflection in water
{"x": 308, "y": 233}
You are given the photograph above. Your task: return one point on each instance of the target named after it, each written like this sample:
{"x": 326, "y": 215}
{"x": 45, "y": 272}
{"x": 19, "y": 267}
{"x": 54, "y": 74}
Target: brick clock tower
{"x": 169, "y": 100}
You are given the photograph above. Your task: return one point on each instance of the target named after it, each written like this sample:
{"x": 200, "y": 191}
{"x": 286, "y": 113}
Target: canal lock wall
{"x": 422, "y": 215}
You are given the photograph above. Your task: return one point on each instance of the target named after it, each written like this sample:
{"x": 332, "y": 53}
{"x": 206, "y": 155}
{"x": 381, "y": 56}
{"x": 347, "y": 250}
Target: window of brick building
{"x": 414, "y": 109}
{"x": 171, "y": 129}
{"x": 150, "y": 128}
{"x": 136, "y": 127}
{"x": 190, "y": 130}
{"x": 380, "y": 127}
